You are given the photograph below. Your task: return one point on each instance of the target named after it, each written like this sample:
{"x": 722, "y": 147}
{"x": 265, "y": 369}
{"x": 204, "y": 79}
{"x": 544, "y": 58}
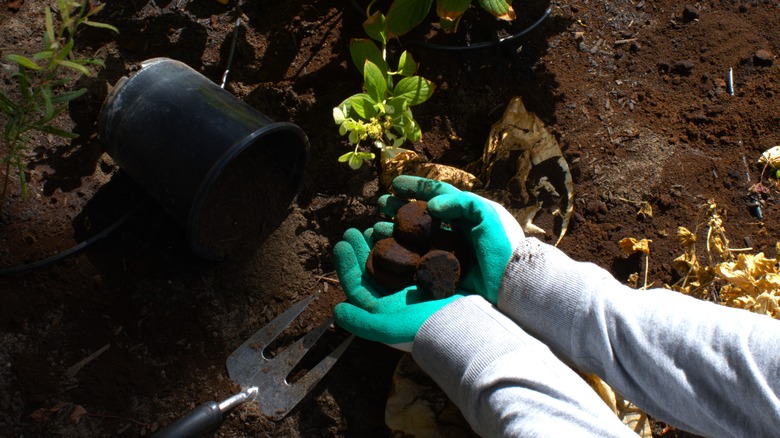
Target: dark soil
{"x": 132, "y": 332}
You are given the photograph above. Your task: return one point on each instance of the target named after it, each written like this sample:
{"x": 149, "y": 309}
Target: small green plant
{"x": 404, "y": 15}
{"x": 382, "y": 115}
{"x": 41, "y": 93}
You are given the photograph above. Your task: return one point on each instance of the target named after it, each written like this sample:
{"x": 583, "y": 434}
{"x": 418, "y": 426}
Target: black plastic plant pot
{"x": 223, "y": 170}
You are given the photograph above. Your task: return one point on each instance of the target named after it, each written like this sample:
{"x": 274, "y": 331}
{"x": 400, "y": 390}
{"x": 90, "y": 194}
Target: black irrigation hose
{"x": 485, "y": 44}
{"x": 482, "y": 45}
{"x": 74, "y": 249}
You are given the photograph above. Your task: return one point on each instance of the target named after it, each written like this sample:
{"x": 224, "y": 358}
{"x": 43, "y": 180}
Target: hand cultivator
{"x": 263, "y": 380}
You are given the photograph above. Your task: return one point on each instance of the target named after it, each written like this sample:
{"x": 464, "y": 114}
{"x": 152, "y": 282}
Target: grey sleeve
{"x": 700, "y": 366}
{"x": 505, "y": 382}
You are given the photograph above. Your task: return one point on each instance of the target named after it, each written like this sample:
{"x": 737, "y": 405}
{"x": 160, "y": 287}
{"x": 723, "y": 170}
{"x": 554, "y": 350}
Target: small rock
{"x": 665, "y": 202}
{"x": 689, "y": 14}
{"x": 683, "y": 67}
{"x": 763, "y": 58}
{"x": 596, "y": 207}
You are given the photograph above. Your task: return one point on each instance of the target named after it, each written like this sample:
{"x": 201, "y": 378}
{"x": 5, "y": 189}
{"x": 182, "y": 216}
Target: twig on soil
{"x": 73, "y": 370}
{"x": 327, "y": 279}
{"x": 625, "y": 41}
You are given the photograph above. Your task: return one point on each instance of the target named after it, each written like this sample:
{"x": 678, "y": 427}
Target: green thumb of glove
{"x": 492, "y": 231}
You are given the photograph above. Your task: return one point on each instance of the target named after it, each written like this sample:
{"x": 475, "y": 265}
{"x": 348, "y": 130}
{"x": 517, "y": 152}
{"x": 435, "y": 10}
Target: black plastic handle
{"x": 200, "y": 421}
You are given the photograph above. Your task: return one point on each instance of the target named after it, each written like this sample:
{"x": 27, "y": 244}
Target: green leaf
{"x": 47, "y": 54}
{"x": 48, "y": 118}
{"x": 502, "y": 9}
{"x": 449, "y": 26}
{"x": 354, "y": 159}
{"x": 6, "y": 105}
{"x": 55, "y": 131}
{"x": 24, "y": 62}
{"x": 338, "y": 115}
{"x": 396, "y": 106}
{"x": 357, "y": 158}
{"x": 344, "y": 158}
{"x": 72, "y": 65}
{"x": 94, "y": 9}
{"x": 91, "y": 61}
{"x": 376, "y": 84}
{"x": 11, "y": 130}
{"x": 414, "y": 89}
{"x": 62, "y": 54}
{"x": 49, "y": 107}
{"x": 451, "y": 10}
{"x": 68, "y": 96}
{"x": 406, "y": 64}
{"x": 49, "y": 36}
{"x": 404, "y": 15}
{"x": 362, "y": 49}
{"x": 375, "y": 27}
{"x": 101, "y": 25}
{"x": 63, "y": 6}
{"x": 363, "y": 105}
{"x": 416, "y": 132}
{"x": 23, "y": 181}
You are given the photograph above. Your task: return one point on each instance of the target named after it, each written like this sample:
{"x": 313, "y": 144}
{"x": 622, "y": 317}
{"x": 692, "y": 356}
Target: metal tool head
{"x": 249, "y": 367}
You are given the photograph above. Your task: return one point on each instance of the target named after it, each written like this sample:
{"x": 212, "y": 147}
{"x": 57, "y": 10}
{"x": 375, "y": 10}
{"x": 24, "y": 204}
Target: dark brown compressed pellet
{"x": 391, "y": 256}
{"x": 438, "y": 274}
{"x": 389, "y": 281}
{"x": 454, "y": 242}
{"x": 414, "y": 225}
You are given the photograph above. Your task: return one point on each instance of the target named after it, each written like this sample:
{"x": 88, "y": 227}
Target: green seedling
{"x": 405, "y": 15}
{"x": 41, "y": 87}
{"x": 382, "y": 115}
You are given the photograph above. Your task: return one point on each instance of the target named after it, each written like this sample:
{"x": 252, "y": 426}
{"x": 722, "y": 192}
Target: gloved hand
{"x": 396, "y": 318}
{"x": 393, "y": 319}
{"x": 492, "y": 231}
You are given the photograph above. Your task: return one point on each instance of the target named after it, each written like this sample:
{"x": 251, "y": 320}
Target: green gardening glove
{"x": 393, "y": 319}
{"x": 493, "y": 232}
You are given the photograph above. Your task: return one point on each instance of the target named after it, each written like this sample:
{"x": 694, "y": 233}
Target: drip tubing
{"x": 476, "y": 46}
{"x": 74, "y": 249}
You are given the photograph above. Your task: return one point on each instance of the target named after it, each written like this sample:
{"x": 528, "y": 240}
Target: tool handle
{"x": 200, "y": 421}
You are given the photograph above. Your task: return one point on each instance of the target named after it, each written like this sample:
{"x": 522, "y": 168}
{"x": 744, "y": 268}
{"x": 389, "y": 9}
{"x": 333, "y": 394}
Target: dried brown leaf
{"x": 409, "y": 163}
{"x": 76, "y": 414}
{"x": 517, "y": 143}
{"x": 629, "y": 245}
{"x": 645, "y": 210}
{"x": 626, "y": 411}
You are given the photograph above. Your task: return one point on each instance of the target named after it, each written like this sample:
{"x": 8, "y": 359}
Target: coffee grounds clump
{"x": 420, "y": 252}
{"x": 414, "y": 226}
{"x": 438, "y": 274}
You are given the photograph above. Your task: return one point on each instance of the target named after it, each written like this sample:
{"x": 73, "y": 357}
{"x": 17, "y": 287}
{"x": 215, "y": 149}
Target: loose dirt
{"x": 132, "y": 332}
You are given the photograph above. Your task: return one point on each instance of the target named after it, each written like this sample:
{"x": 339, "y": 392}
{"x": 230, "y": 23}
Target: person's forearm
{"x": 505, "y": 382}
{"x": 700, "y": 366}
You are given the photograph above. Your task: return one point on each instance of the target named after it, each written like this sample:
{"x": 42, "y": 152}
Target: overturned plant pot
{"x": 223, "y": 170}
